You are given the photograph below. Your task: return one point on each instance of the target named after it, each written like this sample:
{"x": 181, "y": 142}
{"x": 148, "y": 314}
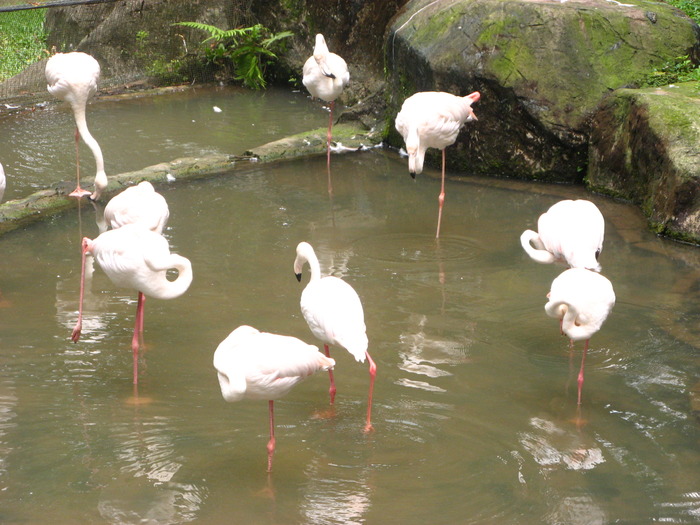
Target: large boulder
{"x": 645, "y": 147}
{"x": 542, "y": 66}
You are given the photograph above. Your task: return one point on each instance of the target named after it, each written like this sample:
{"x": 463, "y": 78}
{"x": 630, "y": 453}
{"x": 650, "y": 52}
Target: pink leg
{"x": 271, "y": 443}
{"x": 372, "y": 375}
{"x": 580, "y": 372}
{"x": 75, "y": 336}
{"x": 78, "y": 191}
{"x": 331, "y": 390}
{"x": 328, "y": 137}
{"x": 441, "y": 197}
{"x": 138, "y": 326}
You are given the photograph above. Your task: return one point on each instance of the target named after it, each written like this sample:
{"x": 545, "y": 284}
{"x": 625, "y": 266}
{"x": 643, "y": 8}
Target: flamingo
{"x": 259, "y": 365}
{"x": 140, "y": 203}
{"x": 581, "y": 300}
{"x": 570, "y": 231}
{"x": 432, "y": 119}
{"x": 73, "y": 77}
{"x": 2, "y": 181}
{"x": 325, "y": 76}
{"x": 134, "y": 257}
{"x": 333, "y": 311}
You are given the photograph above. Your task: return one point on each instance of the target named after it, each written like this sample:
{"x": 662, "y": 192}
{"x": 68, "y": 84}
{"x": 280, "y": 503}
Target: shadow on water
{"x": 475, "y": 398}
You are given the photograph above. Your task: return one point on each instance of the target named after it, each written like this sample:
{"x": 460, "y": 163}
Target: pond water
{"x": 475, "y": 400}
{"x": 38, "y": 146}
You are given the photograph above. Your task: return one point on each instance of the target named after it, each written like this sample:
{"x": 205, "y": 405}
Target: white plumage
{"x": 73, "y": 77}
{"x": 432, "y": 119}
{"x": 137, "y": 258}
{"x": 571, "y": 231}
{"x": 333, "y": 311}
{"x": 581, "y": 300}
{"x": 259, "y": 365}
{"x": 325, "y": 75}
{"x": 138, "y": 204}
{"x": 2, "y": 181}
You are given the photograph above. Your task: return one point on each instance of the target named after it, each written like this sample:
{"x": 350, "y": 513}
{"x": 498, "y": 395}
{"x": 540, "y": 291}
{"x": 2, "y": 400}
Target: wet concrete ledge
{"x": 347, "y": 137}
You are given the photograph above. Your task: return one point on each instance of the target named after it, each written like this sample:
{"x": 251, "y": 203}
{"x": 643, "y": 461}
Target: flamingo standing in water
{"x": 2, "y": 181}
{"x": 73, "y": 77}
{"x": 581, "y": 300}
{"x": 570, "y": 231}
{"x": 138, "y": 204}
{"x": 259, "y": 365}
{"x": 333, "y": 311}
{"x": 432, "y": 119}
{"x": 135, "y": 257}
{"x": 325, "y": 76}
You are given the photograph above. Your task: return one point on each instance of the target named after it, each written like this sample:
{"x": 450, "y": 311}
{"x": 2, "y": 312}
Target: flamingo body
{"x": 582, "y": 300}
{"x": 432, "y": 119}
{"x": 137, "y": 258}
{"x": 325, "y": 74}
{"x": 2, "y": 181}
{"x": 73, "y": 77}
{"x": 333, "y": 311}
{"x": 138, "y": 204}
{"x": 259, "y": 365}
{"x": 571, "y": 231}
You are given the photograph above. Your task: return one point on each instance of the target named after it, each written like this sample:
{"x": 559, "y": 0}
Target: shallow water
{"x": 37, "y": 146}
{"x": 475, "y": 402}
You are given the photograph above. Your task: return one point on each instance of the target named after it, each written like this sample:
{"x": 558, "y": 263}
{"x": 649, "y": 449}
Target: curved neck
{"x": 539, "y": 254}
{"x": 569, "y": 326}
{"x": 165, "y": 289}
{"x": 100, "y": 175}
{"x": 306, "y": 254}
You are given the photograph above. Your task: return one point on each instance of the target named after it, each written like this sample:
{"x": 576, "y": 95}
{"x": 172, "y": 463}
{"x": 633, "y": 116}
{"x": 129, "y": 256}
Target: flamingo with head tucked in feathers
{"x": 325, "y": 76}
{"x": 138, "y": 204}
{"x": 73, "y": 77}
{"x": 432, "y": 119}
{"x": 581, "y": 300}
{"x": 571, "y": 231}
{"x": 333, "y": 311}
{"x": 258, "y": 365}
{"x": 135, "y": 257}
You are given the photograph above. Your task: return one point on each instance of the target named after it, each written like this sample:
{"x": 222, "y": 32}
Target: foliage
{"x": 163, "y": 71}
{"x": 681, "y": 69}
{"x": 246, "y": 51}
{"x": 22, "y": 40}
{"x": 689, "y": 7}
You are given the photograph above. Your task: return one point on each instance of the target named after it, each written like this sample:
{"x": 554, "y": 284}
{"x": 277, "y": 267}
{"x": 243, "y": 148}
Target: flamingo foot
{"x": 79, "y": 193}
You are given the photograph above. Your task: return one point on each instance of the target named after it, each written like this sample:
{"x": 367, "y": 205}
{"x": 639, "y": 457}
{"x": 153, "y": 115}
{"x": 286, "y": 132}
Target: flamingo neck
{"x": 100, "y": 175}
{"x": 574, "y": 330}
{"x": 537, "y": 253}
{"x": 166, "y": 289}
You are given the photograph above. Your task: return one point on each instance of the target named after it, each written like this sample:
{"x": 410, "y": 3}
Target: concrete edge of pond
{"x": 347, "y": 137}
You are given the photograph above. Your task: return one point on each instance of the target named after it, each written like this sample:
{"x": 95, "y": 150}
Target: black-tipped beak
{"x": 298, "y": 276}
{"x": 412, "y": 174}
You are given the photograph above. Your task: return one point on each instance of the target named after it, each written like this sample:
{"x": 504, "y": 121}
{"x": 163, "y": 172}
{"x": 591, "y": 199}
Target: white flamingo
{"x": 134, "y": 257}
{"x": 138, "y": 204}
{"x": 334, "y": 313}
{"x": 73, "y": 77}
{"x": 581, "y": 300}
{"x": 258, "y": 365}
{"x": 325, "y": 76}
{"x": 571, "y": 231}
{"x": 2, "y": 181}
{"x": 432, "y": 119}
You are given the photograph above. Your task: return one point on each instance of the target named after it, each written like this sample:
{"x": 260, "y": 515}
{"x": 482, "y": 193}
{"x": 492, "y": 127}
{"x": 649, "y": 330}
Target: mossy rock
{"x": 645, "y": 147}
{"x": 542, "y": 68}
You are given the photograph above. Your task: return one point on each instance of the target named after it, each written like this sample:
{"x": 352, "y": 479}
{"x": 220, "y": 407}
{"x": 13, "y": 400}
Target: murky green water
{"x": 475, "y": 400}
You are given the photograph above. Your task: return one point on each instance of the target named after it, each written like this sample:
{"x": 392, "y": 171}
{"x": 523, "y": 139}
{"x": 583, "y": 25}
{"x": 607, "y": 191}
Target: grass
{"x": 22, "y": 40}
{"x": 689, "y": 7}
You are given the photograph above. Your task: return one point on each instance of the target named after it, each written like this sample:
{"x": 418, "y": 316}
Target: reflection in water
{"x": 144, "y": 490}
{"x": 330, "y": 498}
{"x": 8, "y": 402}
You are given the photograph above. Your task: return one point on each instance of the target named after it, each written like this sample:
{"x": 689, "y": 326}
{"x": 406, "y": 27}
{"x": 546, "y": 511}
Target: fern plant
{"x": 248, "y": 50}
